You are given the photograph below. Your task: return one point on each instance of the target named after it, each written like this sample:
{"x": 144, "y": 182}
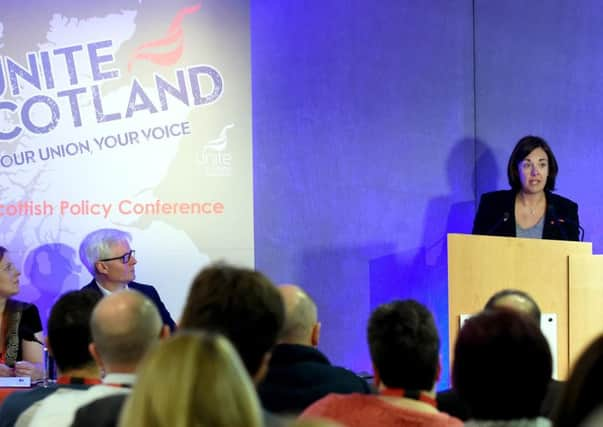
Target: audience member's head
{"x": 241, "y": 304}
{"x": 502, "y": 365}
{"x": 124, "y": 326}
{"x": 69, "y": 330}
{"x": 301, "y": 317}
{"x": 515, "y": 299}
{"x": 582, "y": 393}
{"x": 100, "y": 245}
{"x": 404, "y": 346}
{"x": 193, "y": 379}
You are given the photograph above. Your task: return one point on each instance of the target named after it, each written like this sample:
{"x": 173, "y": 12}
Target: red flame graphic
{"x": 147, "y": 51}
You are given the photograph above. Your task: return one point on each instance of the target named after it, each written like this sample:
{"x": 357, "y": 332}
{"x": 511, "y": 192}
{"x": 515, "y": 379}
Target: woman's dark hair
{"x": 502, "y": 365}
{"x": 582, "y": 393}
{"x": 523, "y": 148}
{"x": 3, "y": 251}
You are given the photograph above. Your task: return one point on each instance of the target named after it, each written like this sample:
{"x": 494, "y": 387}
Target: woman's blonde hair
{"x": 193, "y": 379}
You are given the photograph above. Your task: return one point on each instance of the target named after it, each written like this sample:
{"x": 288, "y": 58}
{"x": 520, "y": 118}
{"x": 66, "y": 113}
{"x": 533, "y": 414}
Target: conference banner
{"x": 133, "y": 115}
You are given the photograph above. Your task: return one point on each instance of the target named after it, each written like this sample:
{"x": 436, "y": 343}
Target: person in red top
{"x": 405, "y": 350}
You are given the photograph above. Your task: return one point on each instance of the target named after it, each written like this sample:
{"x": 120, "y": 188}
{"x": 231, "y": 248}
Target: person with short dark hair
{"x": 523, "y": 303}
{"x": 529, "y": 209}
{"x": 299, "y": 374}
{"x": 582, "y": 393}
{"x": 243, "y": 305}
{"x": 405, "y": 350}
{"x": 125, "y": 326}
{"x": 502, "y": 368}
{"x": 68, "y": 340}
{"x": 69, "y": 331}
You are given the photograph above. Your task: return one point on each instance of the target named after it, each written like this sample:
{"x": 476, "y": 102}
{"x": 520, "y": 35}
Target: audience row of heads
{"x": 246, "y": 307}
{"x": 238, "y": 316}
{"x": 114, "y": 332}
{"x": 500, "y": 350}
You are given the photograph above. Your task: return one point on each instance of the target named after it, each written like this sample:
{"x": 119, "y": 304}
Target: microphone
{"x": 504, "y": 218}
{"x": 562, "y": 222}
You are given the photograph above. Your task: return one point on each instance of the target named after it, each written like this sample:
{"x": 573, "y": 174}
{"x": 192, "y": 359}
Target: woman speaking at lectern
{"x": 529, "y": 209}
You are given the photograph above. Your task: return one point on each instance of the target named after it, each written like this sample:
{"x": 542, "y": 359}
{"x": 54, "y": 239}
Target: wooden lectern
{"x": 563, "y": 277}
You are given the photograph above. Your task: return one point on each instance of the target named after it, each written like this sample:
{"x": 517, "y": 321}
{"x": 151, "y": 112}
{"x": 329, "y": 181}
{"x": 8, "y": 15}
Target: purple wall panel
{"x": 363, "y": 154}
{"x": 539, "y": 72}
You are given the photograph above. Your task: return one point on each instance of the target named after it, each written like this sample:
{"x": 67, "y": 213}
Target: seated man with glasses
{"x": 106, "y": 253}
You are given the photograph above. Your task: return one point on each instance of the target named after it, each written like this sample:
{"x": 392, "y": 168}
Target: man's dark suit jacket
{"x": 149, "y": 292}
{"x": 299, "y": 375}
{"x": 450, "y": 402}
{"x": 17, "y": 403}
{"x": 496, "y": 216}
{"x": 103, "y": 412}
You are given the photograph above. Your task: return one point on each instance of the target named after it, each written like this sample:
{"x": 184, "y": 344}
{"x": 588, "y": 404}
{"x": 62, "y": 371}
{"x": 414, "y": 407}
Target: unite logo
{"x": 214, "y": 157}
{"x": 168, "y": 49}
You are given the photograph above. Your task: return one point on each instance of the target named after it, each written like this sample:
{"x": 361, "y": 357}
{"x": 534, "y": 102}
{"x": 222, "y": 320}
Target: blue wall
{"x": 363, "y": 154}
{"x": 539, "y": 70}
{"x": 377, "y": 127}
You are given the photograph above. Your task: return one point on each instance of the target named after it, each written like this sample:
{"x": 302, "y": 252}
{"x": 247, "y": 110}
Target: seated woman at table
{"x": 20, "y": 326}
{"x": 529, "y": 209}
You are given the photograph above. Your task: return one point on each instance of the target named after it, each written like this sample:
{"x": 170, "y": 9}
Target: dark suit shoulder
{"x": 498, "y": 195}
{"x": 494, "y": 214}
{"x": 142, "y": 287}
{"x": 103, "y": 412}
{"x": 561, "y": 201}
{"x": 17, "y": 403}
{"x": 92, "y": 287}
{"x": 449, "y": 402}
{"x": 152, "y": 294}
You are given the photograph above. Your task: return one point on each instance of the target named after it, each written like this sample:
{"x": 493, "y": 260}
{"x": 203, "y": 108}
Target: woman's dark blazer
{"x": 496, "y": 216}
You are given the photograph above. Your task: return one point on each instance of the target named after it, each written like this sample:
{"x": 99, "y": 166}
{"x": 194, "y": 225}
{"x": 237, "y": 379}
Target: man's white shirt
{"x": 58, "y": 409}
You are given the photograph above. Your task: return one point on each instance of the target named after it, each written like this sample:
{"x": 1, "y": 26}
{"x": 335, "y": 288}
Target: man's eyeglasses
{"x": 125, "y": 258}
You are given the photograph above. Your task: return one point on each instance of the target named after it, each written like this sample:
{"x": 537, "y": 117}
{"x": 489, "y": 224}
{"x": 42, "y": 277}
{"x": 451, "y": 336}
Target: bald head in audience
{"x": 517, "y": 300}
{"x": 301, "y": 317}
{"x": 124, "y": 326}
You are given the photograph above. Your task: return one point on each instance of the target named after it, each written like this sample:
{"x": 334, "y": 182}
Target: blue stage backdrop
{"x": 377, "y": 127}
{"x": 363, "y": 154}
{"x": 127, "y": 114}
{"x": 539, "y": 72}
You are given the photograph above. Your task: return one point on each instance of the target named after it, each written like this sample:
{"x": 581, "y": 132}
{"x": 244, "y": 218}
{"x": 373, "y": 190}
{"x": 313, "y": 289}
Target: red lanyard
{"x": 122, "y": 385}
{"x": 410, "y": 394}
{"x": 66, "y": 380}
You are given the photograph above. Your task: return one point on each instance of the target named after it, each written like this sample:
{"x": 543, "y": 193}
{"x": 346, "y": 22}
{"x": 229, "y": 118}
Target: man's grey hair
{"x": 97, "y": 244}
